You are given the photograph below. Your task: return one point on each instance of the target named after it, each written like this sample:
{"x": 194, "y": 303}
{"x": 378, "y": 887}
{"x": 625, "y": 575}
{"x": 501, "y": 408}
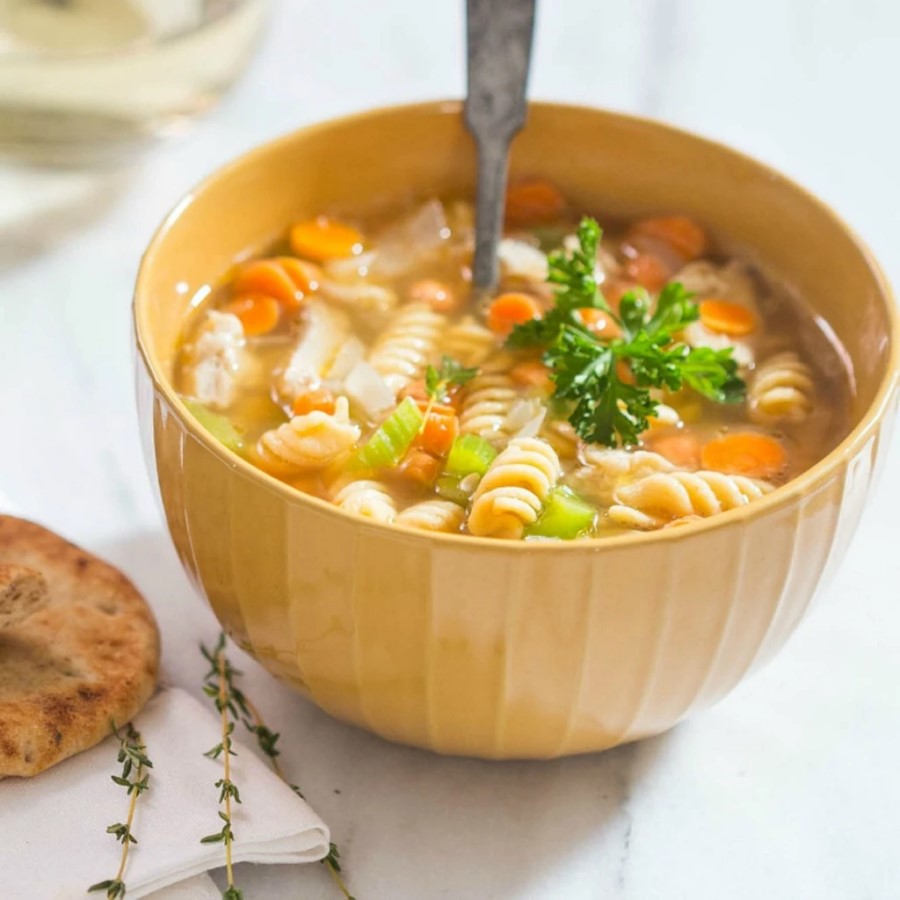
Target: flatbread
{"x": 88, "y": 658}
{"x": 23, "y": 591}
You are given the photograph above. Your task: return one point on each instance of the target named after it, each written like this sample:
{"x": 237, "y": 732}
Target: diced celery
{"x": 391, "y": 440}
{"x": 565, "y": 515}
{"x": 469, "y": 455}
{"x": 219, "y": 426}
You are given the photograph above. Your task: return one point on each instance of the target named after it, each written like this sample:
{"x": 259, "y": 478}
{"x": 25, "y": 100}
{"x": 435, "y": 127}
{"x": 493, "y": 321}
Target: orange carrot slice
{"x": 648, "y": 270}
{"x": 323, "y": 238}
{"x": 436, "y": 294}
{"x": 682, "y": 234}
{"x": 316, "y": 399}
{"x": 744, "y": 453}
{"x": 420, "y": 467}
{"x": 682, "y": 449}
{"x": 599, "y": 322}
{"x": 511, "y": 309}
{"x": 258, "y": 313}
{"x": 306, "y": 276}
{"x": 724, "y": 317}
{"x": 268, "y": 278}
{"x": 531, "y": 373}
{"x": 533, "y": 202}
{"x": 439, "y": 430}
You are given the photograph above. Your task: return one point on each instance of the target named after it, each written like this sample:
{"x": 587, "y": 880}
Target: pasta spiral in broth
{"x": 635, "y": 380}
{"x": 782, "y": 389}
{"x": 510, "y": 495}
{"x": 407, "y": 346}
{"x": 653, "y": 501}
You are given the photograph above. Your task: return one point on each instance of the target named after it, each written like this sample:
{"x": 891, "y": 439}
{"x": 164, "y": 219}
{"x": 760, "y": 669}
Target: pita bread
{"x": 88, "y": 658}
{"x": 22, "y": 592}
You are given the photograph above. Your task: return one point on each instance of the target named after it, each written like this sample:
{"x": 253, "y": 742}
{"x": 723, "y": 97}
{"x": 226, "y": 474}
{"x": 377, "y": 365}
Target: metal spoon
{"x": 499, "y": 53}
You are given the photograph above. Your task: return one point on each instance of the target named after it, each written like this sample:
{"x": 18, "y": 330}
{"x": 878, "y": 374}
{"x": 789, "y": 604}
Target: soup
{"x": 633, "y": 378}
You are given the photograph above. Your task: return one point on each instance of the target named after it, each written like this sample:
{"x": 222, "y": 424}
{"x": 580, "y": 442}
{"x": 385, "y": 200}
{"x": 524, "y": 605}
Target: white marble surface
{"x": 790, "y": 788}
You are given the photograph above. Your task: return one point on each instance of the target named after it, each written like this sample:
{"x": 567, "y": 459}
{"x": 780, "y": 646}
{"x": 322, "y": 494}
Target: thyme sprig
{"x": 239, "y": 706}
{"x": 218, "y": 685}
{"x": 135, "y": 779}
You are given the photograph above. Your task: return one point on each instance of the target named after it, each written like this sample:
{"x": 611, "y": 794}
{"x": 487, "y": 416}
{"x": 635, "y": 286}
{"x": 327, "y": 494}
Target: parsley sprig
{"x": 603, "y": 407}
{"x": 450, "y": 373}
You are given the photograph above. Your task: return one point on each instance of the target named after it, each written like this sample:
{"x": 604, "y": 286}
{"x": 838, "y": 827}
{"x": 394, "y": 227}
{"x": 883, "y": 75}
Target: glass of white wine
{"x": 83, "y": 80}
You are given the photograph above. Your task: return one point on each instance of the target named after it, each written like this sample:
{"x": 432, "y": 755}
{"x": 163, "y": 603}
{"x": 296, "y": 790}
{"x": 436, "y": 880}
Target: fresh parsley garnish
{"x": 605, "y": 407}
{"x": 449, "y": 373}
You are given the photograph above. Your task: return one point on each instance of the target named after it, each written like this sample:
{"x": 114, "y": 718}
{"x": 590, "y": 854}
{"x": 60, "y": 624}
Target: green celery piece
{"x": 565, "y": 515}
{"x": 391, "y": 440}
{"x": 219, "y": 426}
{"x": 469, "y": 453}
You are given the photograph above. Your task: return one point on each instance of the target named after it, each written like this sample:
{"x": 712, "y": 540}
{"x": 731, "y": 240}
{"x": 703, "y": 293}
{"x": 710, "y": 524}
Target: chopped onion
{"x": 359, "y": 295}
{"x": 404, "y": 245}
{"x": 352, "y": 351}
{"x": 521, "y": 260}
{"x": 368, "y": 390}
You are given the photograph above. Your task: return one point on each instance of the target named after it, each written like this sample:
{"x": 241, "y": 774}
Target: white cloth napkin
{"x": 53, "y": 840}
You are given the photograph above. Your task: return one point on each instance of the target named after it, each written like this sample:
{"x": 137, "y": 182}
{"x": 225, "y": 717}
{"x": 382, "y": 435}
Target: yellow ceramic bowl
{"x": 492, "y": 648}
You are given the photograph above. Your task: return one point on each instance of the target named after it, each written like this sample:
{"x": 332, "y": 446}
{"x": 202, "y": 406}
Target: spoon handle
{"x": 499, "y": 52}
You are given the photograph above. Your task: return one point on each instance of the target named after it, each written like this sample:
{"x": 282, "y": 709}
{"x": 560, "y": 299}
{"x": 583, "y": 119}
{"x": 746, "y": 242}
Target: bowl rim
{"x": 782, "y": 496}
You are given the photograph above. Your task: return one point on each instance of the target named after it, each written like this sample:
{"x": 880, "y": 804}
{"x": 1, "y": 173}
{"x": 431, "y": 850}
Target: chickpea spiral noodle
{"x": 468, "y": 342}
{"x": 214, "y": 360}
{"x": 605, "y": 470}
{"x": 487, "y": 402}
{"x": 562, "y": 437}
{"x": 433, "y": 515}
{"x": 409, "y": 344}
{"x": 510, "y": 495}
{"x": 658, "y": 500}
{"x": 367, "y": 498}
{"x": 781, "y": 390}
{"x": 308, "y": 443}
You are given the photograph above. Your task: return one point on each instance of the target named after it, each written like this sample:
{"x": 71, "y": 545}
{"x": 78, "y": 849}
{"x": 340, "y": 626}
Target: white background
{"x": 789, "y": 789}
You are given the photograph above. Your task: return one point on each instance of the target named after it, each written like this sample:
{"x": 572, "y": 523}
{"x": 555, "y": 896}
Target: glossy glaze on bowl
{"x": 492, "y": 648}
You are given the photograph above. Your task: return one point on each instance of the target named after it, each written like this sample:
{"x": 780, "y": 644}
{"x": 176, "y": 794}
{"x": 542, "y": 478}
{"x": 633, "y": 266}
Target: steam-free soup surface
{"x": 638, "y": 378}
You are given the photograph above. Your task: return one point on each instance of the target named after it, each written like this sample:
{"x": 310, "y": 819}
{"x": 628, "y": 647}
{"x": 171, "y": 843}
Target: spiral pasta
{"x": 605, "y": 470}
{"x": 468, "y": 342}
{"x": 368, "y": 498}
{"x": 405, "y": 349}
{"x": 562, "y": 437}
{"x": 657, "y": 500}
{"x": 781, "y": 390}
{"x": 308, "y": 443}
{"x": 214, "y": 359}
{"x": 487, "y": 402}
{"x": 433, "y": 515}
{"x": 511, "y": 493}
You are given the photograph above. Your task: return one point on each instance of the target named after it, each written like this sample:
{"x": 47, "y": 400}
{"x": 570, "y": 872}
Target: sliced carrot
{"x": 531, "y": 373}
{"x": 648, "y": 270}
{"x": 420, "y": 467}
{"x": 599, "y": 322}
{"x": 258, "y": 313}
{"x": 614, "y": 289}
{"x": 439, "y": 430}
{"x": 268, "y": 278}
{"x": 320, "y": 399}
{"x": 724, "y": 317}
{"x": 511, "y": 309}
{"x": 682, "y": 234}
{"x": 682, "y": 449}
{"x": 436, "y": 294}
{"x": 533, "y": 202}
{"x": 323, "y": 238}
{"x": 306, "y": 276}
{"x": 744, "y": 453}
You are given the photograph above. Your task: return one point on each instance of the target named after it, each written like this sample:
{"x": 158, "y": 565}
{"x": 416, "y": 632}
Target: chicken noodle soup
{"x": 637, "y": 378}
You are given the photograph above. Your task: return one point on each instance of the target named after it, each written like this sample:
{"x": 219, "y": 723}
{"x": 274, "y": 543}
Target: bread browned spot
{"x": 89, "y": 657}
{"x": 23, "y": 591}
